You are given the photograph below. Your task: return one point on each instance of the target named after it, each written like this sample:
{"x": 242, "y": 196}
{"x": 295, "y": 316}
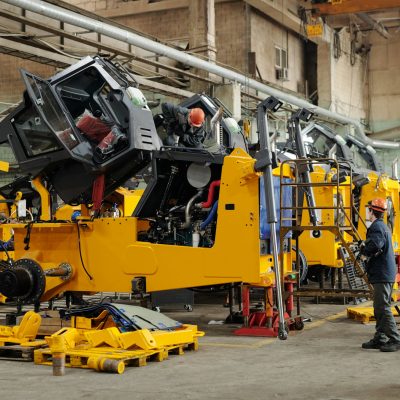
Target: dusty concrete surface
{"x": 324, "y": 361}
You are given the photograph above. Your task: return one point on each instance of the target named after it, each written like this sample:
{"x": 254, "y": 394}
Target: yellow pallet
{"x": 108, "y": 359}
{"x": 364, "y": 314}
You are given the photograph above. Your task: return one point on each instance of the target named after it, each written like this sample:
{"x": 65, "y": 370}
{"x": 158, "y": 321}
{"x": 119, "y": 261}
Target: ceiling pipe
{"x": 390, "y": 133}
{"x": 61, "y": 14}
{"x": 374, "y": 24}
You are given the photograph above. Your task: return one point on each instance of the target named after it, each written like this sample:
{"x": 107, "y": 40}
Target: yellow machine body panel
{"x": 126, "y": 199}
{"x": 324, "y": 250}
{"x": 383, "y": 186}
{"x": 65, "y": 212}
{"x": 105, "y": 255}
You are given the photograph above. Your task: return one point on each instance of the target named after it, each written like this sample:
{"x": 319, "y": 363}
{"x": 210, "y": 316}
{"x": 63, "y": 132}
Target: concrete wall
{"x": 11, "y": 85}
{"x": 173, "y": 26}
{"x": 163, "y": 25}
{"x": 384, "y": 81}
{"x": 231, "y": 34}
{"x": 265, "y": 35}
{"x": 341, "y": 86}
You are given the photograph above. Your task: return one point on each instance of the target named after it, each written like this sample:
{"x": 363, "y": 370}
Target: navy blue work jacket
{"x": 381, "y": 266}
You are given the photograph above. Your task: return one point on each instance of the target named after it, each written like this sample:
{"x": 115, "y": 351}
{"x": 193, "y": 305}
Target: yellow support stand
{"x": 23, "y": 334}
{"x": 109, "y": 350}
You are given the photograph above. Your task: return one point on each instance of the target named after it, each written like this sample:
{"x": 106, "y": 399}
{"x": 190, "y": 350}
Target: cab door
{"x": 44, "y": 127}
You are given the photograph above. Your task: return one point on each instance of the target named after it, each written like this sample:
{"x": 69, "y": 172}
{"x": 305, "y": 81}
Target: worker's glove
{"x": 361, "y": 245}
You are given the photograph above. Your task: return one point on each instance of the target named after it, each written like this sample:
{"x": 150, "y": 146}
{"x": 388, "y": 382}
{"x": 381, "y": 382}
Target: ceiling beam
{"x": 142, "y": 7}
{"x": 139, "y": 7}
{"x": 36, "y": 54}
{"x": 33, "y": 53}
{"x": 38, "y": 24}
{"x": 354, "y": 6}
{"x": 278, "y": 12}
{"x": 374, "y": 24}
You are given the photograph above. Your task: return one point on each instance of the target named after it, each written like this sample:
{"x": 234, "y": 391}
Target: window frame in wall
{"x": 281, "y": 63}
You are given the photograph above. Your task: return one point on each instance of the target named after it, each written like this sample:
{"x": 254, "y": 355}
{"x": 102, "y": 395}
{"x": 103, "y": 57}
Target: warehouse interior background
{"x": 246, "y": 244}
{"x": 341, "y": 61}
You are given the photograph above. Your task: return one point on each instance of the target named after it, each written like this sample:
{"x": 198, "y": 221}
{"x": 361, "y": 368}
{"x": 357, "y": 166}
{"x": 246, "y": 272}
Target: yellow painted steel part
{"x": 109, "y": 350}
{"x": 324, "y": 250}
{"x": 23, "y": 334}
{"x": 381, "y": 185}
{"x": 4, "y": 166}
{"x": 106, "y": 255}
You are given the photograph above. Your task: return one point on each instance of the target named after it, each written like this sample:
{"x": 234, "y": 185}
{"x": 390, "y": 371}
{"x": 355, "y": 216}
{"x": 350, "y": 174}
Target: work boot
{"x": 373, "y": 344}
{"x": 390, "y": 346}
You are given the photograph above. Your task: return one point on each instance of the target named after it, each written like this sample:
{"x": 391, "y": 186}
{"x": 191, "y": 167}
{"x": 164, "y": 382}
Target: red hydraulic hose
{"x": 210, "y": 197}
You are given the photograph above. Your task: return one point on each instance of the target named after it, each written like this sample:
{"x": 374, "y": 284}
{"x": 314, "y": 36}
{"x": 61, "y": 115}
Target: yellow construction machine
{"x": 341, "y": 191}
{"x": 197, "y": 223}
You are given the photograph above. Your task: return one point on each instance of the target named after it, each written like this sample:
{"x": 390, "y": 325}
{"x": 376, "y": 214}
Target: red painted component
{"x": 94, "y": 128}
{"x": 98, "y": 192}
{"x": 211, "y": 192}
{"x": 264, "y": 323}
{"x": 256, "y": 331}
{"x": 257, "y": 325}
{"x": 290, "y": 299}
{"x": 269, "y": 306}
{"x": 246, "y": 301}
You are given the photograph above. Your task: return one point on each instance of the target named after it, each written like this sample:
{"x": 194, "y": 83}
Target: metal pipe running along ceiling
{"x": 61, "y": 14}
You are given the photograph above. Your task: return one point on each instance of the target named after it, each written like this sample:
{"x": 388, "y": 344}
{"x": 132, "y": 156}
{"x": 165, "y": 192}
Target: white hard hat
{"x": 232, "y": 125}
{"x": 136, "y": 96}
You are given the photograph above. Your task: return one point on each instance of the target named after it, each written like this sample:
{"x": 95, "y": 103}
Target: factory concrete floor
{"x": 324, "y": 361}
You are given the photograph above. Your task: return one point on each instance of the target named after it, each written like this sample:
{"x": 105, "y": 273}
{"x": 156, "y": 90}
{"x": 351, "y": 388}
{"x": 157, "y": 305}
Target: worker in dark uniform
{"x": 185, "y": 123}
{"x": 381, "y": 270}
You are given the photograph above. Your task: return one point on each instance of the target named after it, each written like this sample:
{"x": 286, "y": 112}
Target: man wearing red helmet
{"x": 185, "y": 123}
{"x": 381, "y": 270}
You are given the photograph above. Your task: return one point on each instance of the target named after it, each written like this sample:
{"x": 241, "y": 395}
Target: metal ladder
{"x": 353, "y": 266}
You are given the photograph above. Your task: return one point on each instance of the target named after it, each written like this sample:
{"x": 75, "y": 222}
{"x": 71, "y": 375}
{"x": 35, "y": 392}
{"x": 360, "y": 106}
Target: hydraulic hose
{"x": 210, "y": 216}
{"x": 211, "y": 192}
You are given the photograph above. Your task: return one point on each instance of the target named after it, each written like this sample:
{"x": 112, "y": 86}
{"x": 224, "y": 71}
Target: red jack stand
{"x": 266, "y": 323}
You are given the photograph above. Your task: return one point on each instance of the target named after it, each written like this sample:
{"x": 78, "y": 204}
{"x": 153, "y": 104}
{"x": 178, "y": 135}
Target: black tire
{"x": 303, "y": 265}
{"x": 299, "y": 324}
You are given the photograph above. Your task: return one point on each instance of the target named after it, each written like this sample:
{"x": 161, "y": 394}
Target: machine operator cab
{"x": 321, "y": 142}
{"x": 363, "y": 155}
{"x": 64, "y": 122}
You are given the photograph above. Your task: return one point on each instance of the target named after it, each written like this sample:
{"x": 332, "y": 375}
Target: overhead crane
{"x": 337, "y": 7}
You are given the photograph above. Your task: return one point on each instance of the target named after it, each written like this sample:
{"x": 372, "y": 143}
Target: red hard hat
{"x": 378, "y": 204}
{"x": 196, "y": 117}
